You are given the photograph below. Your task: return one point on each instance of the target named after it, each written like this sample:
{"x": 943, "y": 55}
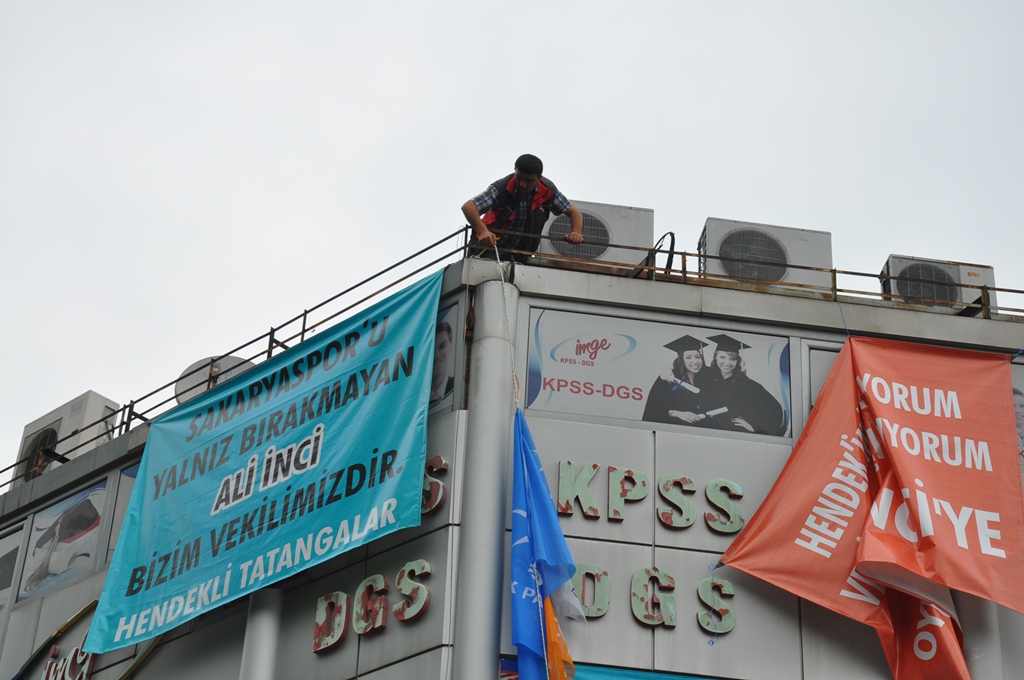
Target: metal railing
{"x": 277, "y": 339}
{"x": 654, "y": 264}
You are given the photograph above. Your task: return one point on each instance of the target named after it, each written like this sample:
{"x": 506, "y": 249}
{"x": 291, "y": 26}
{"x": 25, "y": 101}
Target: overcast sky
{"x": 177, "y": 177}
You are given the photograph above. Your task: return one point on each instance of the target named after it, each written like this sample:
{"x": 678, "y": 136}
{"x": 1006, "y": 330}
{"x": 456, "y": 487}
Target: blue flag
{"x": 541, "y": 563}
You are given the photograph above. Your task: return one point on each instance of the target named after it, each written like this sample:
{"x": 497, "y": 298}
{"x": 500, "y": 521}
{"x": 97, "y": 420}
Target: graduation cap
{"x": 685, "y": 344}
{"x": 727, "y": 344}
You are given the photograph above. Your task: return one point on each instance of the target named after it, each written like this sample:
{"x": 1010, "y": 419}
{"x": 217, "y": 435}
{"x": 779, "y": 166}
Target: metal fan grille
{"x": 596, "y": 237}
{"x": 765, "y": 258}
{"x": 32, "y": 458}
{"x": 927, "y": 284}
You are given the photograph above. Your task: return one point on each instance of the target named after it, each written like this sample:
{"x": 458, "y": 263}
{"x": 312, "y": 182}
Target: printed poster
{"x": 442, "y": 381}
{"x": 657, "y": 372}
{"x": 63, "y": 542}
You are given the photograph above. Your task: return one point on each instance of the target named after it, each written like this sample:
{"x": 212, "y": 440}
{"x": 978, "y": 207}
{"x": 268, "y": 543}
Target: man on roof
{"x": 520, "y": 202}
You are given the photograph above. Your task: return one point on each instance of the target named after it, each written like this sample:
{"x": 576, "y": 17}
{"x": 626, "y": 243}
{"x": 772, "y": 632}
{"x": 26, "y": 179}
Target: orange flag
{"x": 925, "y": 641}
{"x": 904, "y": 484}
{"x": 560, "y": 665}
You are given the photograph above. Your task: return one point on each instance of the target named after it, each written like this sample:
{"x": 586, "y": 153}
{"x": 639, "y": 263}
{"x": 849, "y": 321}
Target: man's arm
{"x": 575, "y": 234}
{"x": 486, "y": 237}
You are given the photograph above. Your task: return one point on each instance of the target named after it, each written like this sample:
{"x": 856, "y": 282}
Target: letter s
{"x": 706, "y": 592}
{"x": 719, "y": 492}
{"x": 434, "y": 490}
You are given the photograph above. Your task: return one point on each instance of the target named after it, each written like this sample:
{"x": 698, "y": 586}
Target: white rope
{"x": 508, "y": 325}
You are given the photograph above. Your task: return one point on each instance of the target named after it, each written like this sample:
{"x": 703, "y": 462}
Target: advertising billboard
{"x": 658, "y": 372}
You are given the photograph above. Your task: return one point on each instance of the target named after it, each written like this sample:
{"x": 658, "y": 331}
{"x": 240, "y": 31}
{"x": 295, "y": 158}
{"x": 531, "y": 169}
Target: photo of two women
{"x": 707, "y": 385}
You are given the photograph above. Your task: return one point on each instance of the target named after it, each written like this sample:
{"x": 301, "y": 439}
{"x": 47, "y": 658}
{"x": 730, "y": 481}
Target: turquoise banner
{"x": 510, "y": 671}
{"x": 309, "y": 454}
{"x": 600, "y": 673}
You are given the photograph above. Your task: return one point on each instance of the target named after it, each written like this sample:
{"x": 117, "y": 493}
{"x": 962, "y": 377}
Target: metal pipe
{"x": 481, "y": 556}
{"x": 262, "y": 632}
{"x": 983, "y": 649}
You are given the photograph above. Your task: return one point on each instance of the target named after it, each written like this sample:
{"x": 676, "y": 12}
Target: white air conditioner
{"x": 604, "y": 227}
{"x": 87, "y": 417}
{"x": 765, "y": 254}
{"x": 936, "y": 283}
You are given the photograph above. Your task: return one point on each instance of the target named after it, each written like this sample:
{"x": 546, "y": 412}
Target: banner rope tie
{"x": 843, "y": 315}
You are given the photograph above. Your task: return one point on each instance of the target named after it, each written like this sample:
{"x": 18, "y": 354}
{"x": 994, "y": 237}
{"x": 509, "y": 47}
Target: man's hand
{"x": 575, "y": 234}
{"x": 486, "y": 238}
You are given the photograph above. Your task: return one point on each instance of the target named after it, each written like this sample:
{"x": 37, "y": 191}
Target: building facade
{"x": 647, "y": 499}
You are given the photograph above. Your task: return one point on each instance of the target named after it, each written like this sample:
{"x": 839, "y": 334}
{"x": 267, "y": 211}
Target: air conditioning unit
{"x": 937, "y": 283}
{"x": 604, "y": 227}
{"x": 87, "y": 417}
{"x": 765, "y": 254}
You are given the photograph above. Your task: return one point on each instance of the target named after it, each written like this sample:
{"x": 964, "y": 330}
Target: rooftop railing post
{"x": 126, "y": 419}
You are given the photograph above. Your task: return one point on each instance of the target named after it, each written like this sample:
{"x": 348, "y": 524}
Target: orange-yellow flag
{"x": 560, "y": 665}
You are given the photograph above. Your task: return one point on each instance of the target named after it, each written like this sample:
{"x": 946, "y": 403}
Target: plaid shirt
{"x": 489, "y": 198}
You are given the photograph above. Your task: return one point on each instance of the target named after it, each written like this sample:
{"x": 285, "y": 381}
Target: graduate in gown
{"x": 676, "y": 395}
{"x": 749, "y": 407}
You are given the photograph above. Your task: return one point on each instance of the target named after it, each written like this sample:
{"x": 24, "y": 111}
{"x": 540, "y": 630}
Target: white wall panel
{"x": 616, "y": 638}
{"x": 433, "y": 664}
{"x": 212, "y": 652}
{"x": 838, "y": 648}
{"x": 763, "y": 645}
{"x": 19, "y": 638}
{"x": 753, "y": 466}
{"x": 295, "y": 656}
{"x": 61, "y": 605}
{"x": 587, "y": 444}
{"x": 401, "y": 640}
